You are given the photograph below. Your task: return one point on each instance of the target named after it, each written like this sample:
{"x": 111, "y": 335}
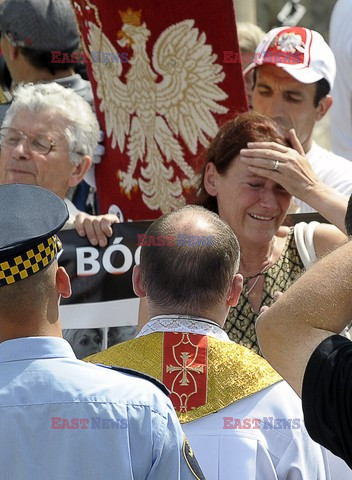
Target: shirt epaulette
{"x": 136, "y": 373}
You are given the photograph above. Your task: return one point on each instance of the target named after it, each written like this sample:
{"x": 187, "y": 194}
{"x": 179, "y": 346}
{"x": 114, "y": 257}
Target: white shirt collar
{"x": 184, "y": 324}
{"x": 26, "y": 348}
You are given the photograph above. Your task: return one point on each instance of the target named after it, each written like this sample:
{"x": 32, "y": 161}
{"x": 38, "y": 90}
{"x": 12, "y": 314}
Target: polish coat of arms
{"x": 290, "y": 43}
{"x": 166, "y": 104}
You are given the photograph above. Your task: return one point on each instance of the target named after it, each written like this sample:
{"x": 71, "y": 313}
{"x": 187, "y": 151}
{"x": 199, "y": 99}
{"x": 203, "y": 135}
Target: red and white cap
{"x": 301, "y": 52}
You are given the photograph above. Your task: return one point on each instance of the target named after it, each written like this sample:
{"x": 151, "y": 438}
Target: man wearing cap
{"x": 62, "y": 418}
{"x": 30, "y": 31}
{"x": 227, "y": 397}
{"x": 294, "y": 72}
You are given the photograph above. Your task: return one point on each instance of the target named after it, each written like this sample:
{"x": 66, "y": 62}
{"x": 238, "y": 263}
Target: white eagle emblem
{"x": 290, "y": 42}
{"x": 175, "y": 94}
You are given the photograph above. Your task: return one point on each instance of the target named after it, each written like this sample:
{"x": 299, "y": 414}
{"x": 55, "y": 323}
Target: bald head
{"x": 193, "y": 267}
{"x": 191, "y": 220}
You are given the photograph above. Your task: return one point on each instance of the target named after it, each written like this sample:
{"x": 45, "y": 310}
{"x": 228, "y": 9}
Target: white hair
{"x": 82, "y": 130}
{"x": 249, "y": 36}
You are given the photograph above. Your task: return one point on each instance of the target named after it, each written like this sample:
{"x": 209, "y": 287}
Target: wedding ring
{"x": 276, "y": 166}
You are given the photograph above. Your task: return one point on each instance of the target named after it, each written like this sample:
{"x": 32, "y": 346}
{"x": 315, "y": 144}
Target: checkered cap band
{"x": 29, "y": 262}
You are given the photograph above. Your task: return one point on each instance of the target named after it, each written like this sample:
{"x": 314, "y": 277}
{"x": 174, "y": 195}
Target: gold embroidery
{"x": 133, "y": 17}
{"x": 234, "y": 372}
{"x": 184, "y": 369}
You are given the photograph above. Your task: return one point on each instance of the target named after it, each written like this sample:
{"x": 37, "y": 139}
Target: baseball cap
{"x": 300, "y": 52}
{"x": 40, "y": 24}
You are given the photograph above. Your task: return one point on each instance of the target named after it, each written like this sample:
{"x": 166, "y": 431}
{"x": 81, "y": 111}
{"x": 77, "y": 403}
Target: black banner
{"x": 104, "y": 274}
{"x": 101, "y": 274}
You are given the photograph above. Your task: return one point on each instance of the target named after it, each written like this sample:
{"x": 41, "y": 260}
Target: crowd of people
{"x": 232, "y": 331}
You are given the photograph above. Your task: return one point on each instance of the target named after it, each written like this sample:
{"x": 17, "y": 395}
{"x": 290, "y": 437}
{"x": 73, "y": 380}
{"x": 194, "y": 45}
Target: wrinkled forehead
{"x": 45, "y": 121}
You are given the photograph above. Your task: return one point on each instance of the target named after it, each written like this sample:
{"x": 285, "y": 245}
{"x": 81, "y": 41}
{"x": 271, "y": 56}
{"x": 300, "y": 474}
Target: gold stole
{"x": 204, "y": 374}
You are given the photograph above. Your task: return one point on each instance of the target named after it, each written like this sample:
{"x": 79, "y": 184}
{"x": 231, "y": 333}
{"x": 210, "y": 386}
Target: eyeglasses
{"x": 11, "y": 137}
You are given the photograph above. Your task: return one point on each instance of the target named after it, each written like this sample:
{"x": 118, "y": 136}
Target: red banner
{"x": 161, "y": 91}
{"x": 185, "y": 369}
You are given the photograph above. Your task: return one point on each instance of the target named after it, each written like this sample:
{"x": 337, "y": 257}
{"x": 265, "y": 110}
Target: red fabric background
{"x": 216, "y": 19}
{"x": 185, "y": 369}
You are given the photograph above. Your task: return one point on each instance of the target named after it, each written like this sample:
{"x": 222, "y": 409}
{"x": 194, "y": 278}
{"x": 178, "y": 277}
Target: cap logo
{"x": 290, "y": 47}
{"x": 301, "y": 52}
{"x": 289, "y": 43}
{"x": 13, "y": 38}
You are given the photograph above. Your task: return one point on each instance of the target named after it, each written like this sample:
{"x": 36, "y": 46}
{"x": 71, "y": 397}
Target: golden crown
{"x": 132, "y": 17}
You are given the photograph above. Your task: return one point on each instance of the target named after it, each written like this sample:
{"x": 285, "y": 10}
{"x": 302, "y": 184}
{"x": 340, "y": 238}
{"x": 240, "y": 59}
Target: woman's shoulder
{"x": 283, "y": 232}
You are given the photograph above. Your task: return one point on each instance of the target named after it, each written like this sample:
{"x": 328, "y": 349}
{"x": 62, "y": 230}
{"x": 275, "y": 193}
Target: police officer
{"x": 62, "y": 418}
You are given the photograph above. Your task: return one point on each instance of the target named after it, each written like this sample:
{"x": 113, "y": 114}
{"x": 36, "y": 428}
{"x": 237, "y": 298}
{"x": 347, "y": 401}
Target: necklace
{"x": 258, "y": 275}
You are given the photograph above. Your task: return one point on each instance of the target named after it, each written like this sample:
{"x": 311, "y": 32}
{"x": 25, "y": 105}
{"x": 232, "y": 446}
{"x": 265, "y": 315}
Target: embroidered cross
{"x": 184, "y": 368}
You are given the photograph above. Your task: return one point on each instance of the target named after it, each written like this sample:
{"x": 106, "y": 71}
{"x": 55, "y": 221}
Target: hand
{"x": 293, "y": 170}
{"x": 96, "y": 227}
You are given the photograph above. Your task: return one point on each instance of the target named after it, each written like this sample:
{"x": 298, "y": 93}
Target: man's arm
{"x": 317, "y": 306}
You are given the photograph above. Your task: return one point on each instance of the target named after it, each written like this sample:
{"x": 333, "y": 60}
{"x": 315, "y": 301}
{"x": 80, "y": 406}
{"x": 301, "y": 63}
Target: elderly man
{"x": 294, "y": 72}
{"x": 48, "y": 138}
{"x": 299, "y": 336}
{"x": 39, "y": 41}
{"x": 70, "y": 420}
{"x": 226, "y": 396}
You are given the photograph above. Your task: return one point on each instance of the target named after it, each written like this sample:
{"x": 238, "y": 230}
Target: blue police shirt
{"x": 61, "y": 418}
